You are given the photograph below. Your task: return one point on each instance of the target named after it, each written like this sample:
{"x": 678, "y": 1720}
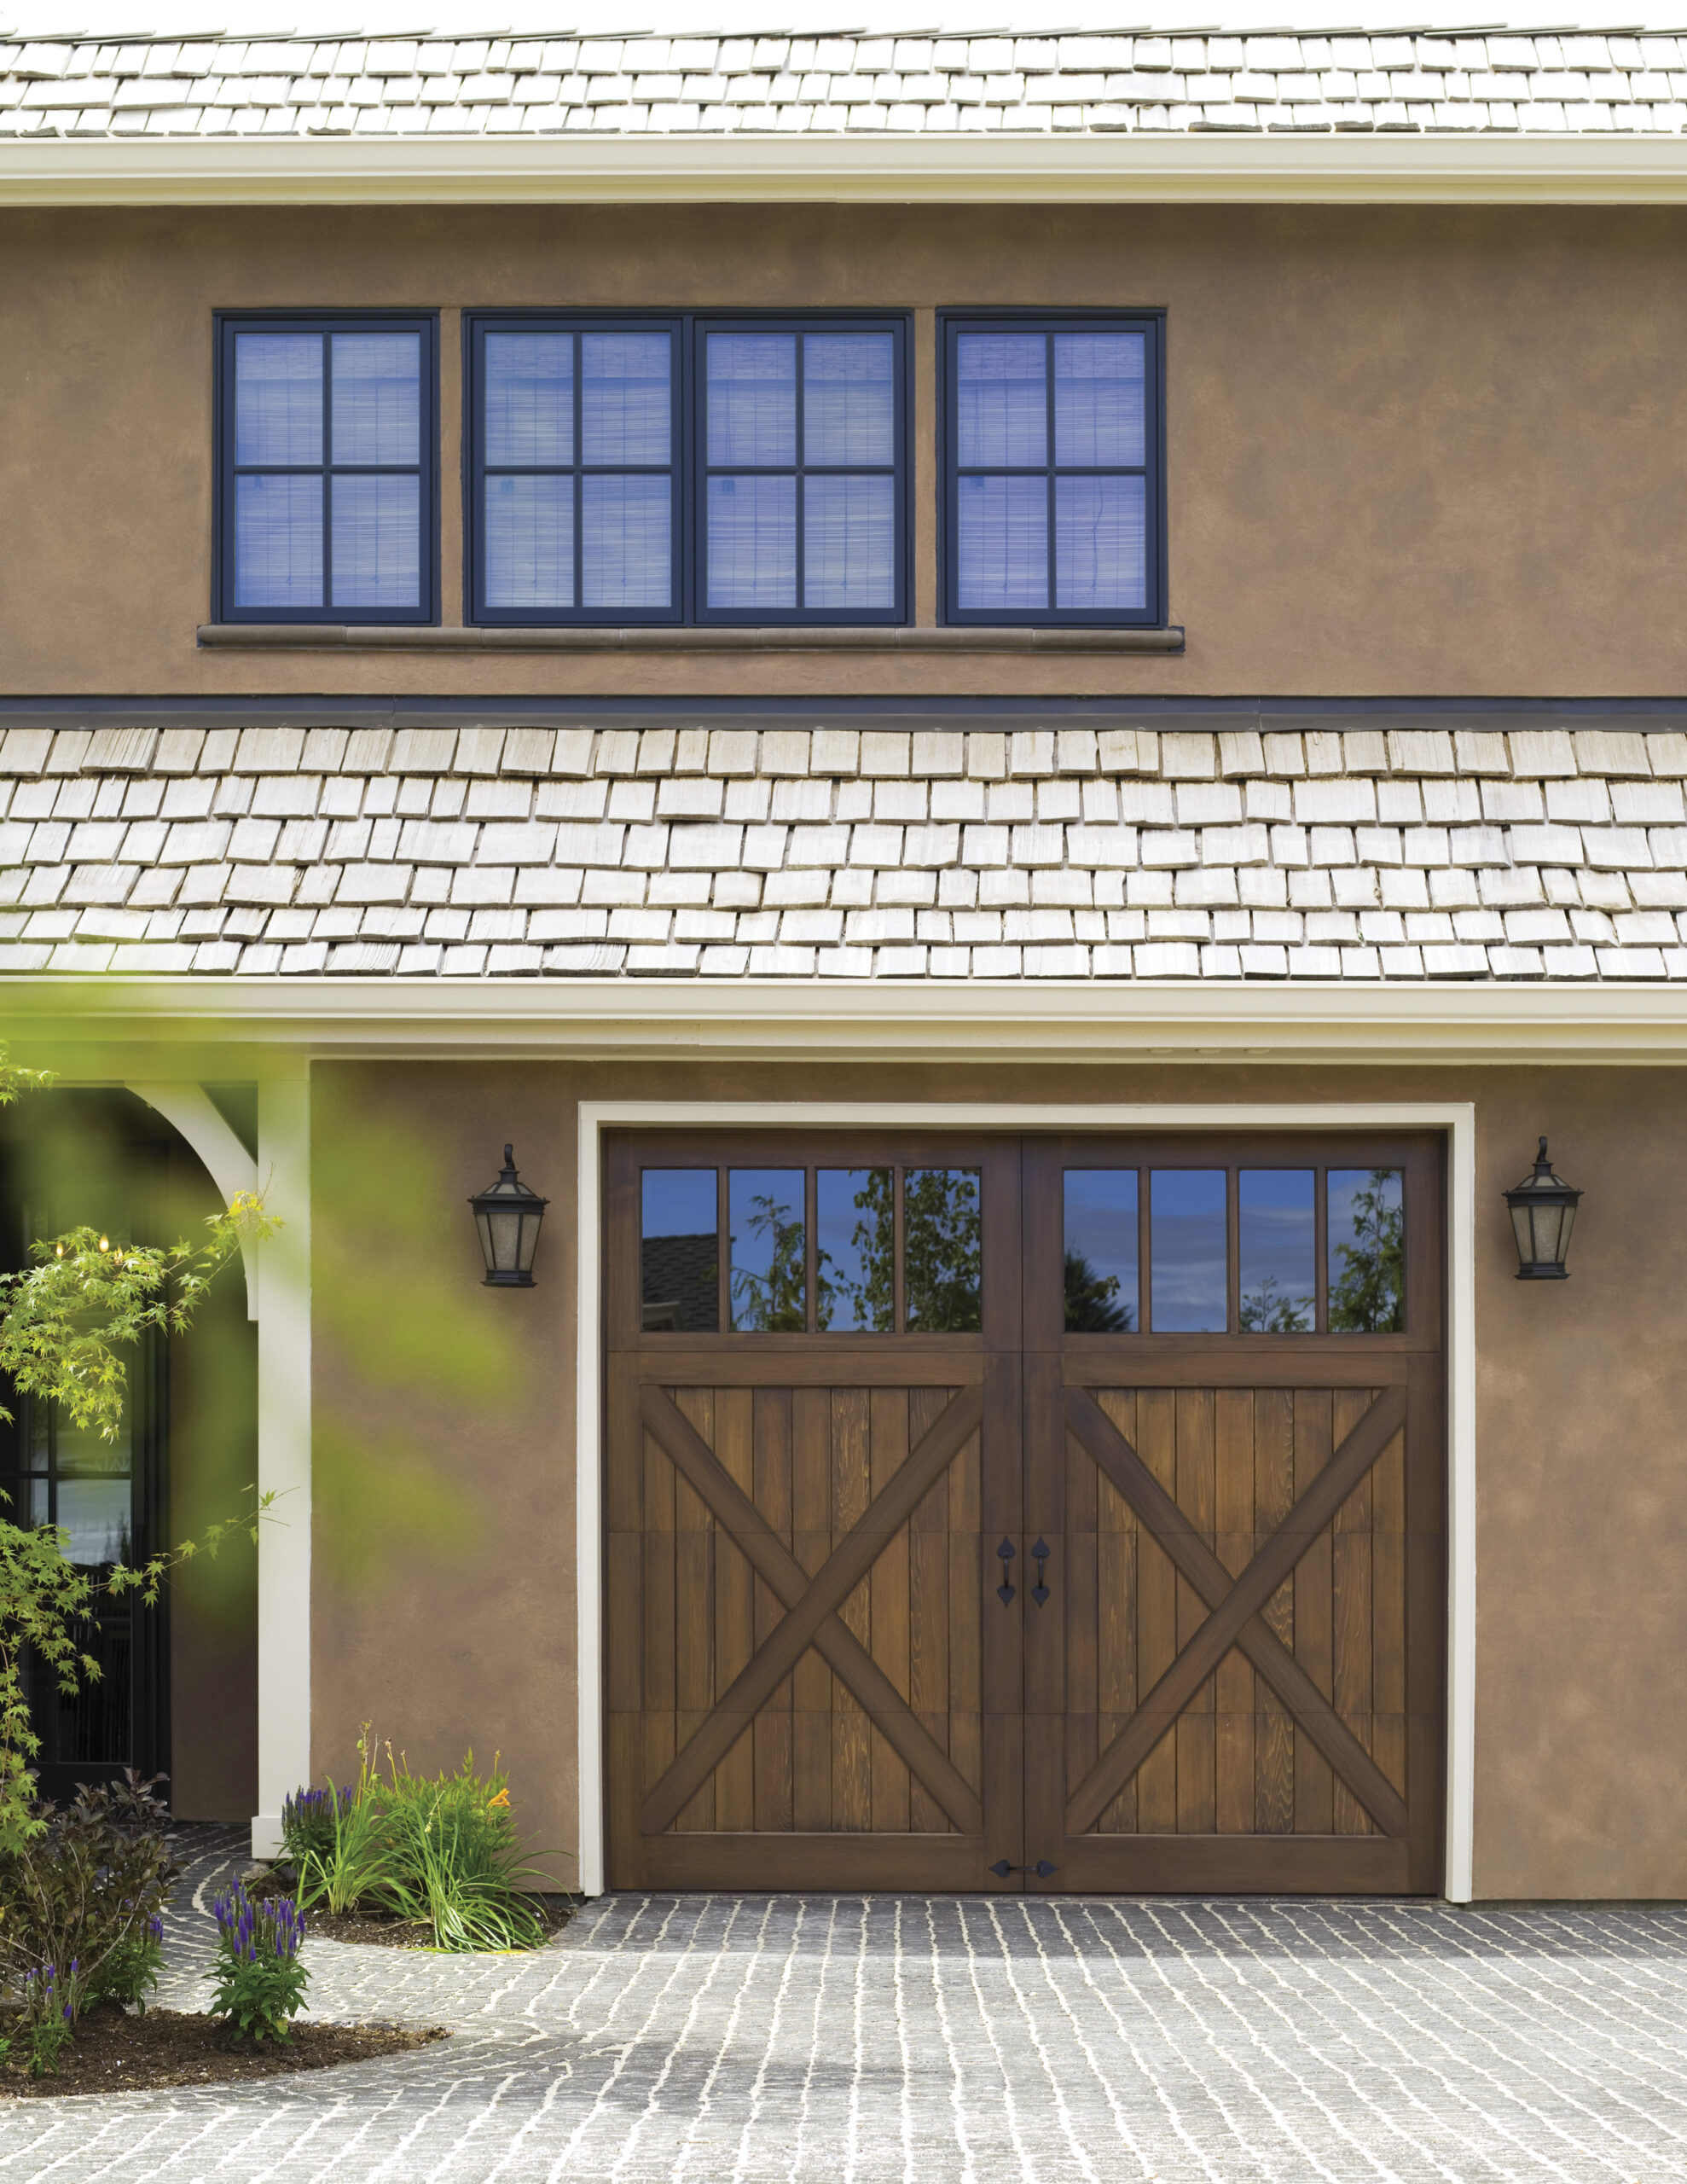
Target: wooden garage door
{"x": 995, "y": 1512}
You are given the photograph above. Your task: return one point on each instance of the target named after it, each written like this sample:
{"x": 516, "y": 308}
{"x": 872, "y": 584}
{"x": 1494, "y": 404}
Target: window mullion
{"x": 327, "y": 454}
{"x": 799, "y": 482}
{"x": 578, "y": 483}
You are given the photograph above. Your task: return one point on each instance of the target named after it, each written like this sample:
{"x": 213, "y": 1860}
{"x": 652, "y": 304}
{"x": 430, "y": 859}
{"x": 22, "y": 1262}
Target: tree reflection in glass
{"x": 1367, "y": 1250}
{"x": 768, "y": 1240}
{"x": 1099, "y": 1256}
{"x": 942, "y": 1250}
{"x": 1276, "y": 1210}
{"x": 855, "y": 1249}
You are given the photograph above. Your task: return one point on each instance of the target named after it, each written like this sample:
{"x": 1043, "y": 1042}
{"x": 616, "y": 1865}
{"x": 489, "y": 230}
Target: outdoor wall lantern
{"x": 508, "y": 1215}
{"x": 1542, "y": 1213}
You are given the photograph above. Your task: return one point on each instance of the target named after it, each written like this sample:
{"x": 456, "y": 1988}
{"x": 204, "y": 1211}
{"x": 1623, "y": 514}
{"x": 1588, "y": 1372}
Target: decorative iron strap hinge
{"x": 1042, "y": 1868}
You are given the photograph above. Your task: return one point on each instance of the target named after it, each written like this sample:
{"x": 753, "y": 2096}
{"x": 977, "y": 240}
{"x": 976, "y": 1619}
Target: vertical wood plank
{"x": 694, "y": 1684}
{"x": 967, "y": 1557}
{"x": 1156, "y": 1585}
{"x": 1314, "y": 1783}
{"x": 773, "y": 1754}
{"x": 888, "y": 1581}
{"x": 1273, "y": 1498}
{"x": 1118, "y": 1613}
{"x": 1080, "y": 1604}
{"x": 1389, "y": 1630}
{"x": 1233, "y": 1543}
{"x": 851, "y": 1744}
{"x": 1196, "y": 1806}
{"x": 811, "y": 1542}
{"x": 929, "y": 1616}
{"x": 1351, "y": 1610}
{"x": 734, "y": 1607}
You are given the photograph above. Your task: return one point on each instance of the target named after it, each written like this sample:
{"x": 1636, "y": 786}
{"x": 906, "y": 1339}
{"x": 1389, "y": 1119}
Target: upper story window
{"x": 687, "y": 470}
{"x": 1055, "y": 509}
{"x": 326, "y": 507}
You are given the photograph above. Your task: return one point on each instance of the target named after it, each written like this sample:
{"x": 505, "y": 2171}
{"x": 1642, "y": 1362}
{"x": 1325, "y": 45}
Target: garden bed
{"x": 115, "y": 2052}
{"x": 381, "y": 1930}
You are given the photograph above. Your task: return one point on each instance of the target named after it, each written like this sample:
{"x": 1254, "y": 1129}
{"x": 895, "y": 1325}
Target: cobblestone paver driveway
{"x": 828, "y": 2038}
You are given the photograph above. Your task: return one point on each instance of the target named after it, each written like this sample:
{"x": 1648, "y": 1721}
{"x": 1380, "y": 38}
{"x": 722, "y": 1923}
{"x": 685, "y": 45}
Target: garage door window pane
{"x": 1186, "y": 1210}
{"x": 1279, "y": 1252}
{"x": 942, "y": 1250}
{"x": 1367, "y": 1250}
{"x": 1101, "y": 1257}
{"x": 768, "y": 1240}
{"x": 681, "y": 1251}
{"x": 854, "y": 1249}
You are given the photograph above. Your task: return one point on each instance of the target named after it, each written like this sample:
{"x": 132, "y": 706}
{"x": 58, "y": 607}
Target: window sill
{"x": 316, "y": 637}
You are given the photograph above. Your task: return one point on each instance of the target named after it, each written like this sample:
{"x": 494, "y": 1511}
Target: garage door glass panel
{"x": 1276, "y": 1211}
{"x": 942, "y": 1250}
{"x": 1188, "y": 1251}
{"x": 1367, "y": 1250}
{"x": 768, "y": 1234}
{"x": 1100, "y": 1254}
{"x": 680, "y": 1251}
{"x": 855, "y": 1251}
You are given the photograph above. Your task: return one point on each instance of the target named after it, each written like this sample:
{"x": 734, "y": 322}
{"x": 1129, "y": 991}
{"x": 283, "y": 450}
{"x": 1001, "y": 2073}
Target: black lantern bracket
{"x": 507, "y": 1216}
{"x": 1543, "y": 1209}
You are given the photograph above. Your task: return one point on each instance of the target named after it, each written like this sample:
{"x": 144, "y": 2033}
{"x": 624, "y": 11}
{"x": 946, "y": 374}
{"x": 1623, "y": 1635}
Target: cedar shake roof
{"x": 1332, "y": 850}
{"x": 1544, "y": 83}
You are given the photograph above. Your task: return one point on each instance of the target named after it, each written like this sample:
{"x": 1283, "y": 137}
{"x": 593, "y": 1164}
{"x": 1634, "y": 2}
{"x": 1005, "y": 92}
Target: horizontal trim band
{"x": 259, "y": 1022}
{"x": 317, "y": 636}
{"x": 1290, "y": 167}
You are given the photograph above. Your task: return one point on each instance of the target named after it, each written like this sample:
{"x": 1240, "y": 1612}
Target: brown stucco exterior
{"x": 1581, "y": 1393}
{"x": 1411, "y": 451}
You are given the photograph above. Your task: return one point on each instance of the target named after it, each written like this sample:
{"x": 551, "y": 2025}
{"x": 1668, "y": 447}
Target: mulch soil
{"x": 115, "y": 2052}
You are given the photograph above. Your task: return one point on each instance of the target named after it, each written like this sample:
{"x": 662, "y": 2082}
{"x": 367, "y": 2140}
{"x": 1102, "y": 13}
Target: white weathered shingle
{"x": 1101, "y": 84}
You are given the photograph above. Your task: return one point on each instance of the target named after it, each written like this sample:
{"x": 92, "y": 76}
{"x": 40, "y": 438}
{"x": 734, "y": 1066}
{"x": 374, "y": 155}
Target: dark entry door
{"x": 989, "y": 1513}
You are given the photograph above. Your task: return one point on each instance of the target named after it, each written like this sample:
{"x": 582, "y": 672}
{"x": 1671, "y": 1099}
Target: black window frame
{"x": 477, "y": 325}
{"x": 1151, "y": 323}
{"x": 228, "y": 325}
{"x": 691, "y": 469}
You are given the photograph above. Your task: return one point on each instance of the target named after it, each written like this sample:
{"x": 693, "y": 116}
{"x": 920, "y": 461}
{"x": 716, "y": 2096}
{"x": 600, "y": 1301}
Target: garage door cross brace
{"x": 1234, "y": 1605}
{"x": 811, "y": 1604}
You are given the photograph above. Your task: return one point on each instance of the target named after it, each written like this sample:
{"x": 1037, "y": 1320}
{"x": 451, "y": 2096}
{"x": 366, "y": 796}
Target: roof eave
{"x": 1324, "y": 167}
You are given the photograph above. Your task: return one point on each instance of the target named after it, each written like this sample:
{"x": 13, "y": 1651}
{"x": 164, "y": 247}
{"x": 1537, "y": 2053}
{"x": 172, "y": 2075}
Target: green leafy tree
{"x": 1368, "y": 1296}
{"x": 65, "y": 1324}
{"x": 1092, "y": 1305}
{"x": 1264, "y": 1311}
{"x": 943, "y": 1257}
{"x": 773, "y": 1302}
{"x": 873, "y": 1298}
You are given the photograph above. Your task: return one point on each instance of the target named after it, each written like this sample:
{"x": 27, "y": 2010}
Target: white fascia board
{"x": 1327, "y": 167}
{"x": 88, "y": 1025}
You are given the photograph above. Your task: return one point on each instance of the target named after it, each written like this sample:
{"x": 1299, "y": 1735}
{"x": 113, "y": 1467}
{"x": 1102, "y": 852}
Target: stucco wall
{"x": 1581, "y": 1706}
{"x": 1410, "y": 452}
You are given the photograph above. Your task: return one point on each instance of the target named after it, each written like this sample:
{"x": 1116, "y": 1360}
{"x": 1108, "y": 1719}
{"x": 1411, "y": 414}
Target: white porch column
{"x": 283, "y": 1455}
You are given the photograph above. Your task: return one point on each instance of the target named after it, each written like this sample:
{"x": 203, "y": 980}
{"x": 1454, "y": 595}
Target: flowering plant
{"x": 311, "y": 1820}
{"x": 48, "y": 2013}
{"x": 260, "y": 1980}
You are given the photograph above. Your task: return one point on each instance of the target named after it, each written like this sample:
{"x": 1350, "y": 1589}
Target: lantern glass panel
{"x": 1565, "y": 1227}
{"x": 1524, "y": 1228}
{"x": 528, "y": 1242}
{"x": 1549, "y": 1223}
{"x": 505, "y": 1230}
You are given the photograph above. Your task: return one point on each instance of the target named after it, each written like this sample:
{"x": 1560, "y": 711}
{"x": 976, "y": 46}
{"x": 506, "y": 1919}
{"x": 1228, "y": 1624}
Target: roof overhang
{"x": 207, "y": 1027}
{"x": 1140, "y": 168}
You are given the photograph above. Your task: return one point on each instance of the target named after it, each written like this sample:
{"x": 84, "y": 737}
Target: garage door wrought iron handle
{"x": 1039, "y": 1555}
{"x": 1005, "y": 1591}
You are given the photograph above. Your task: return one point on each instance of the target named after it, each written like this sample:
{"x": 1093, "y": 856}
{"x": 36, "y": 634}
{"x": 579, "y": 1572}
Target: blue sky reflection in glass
{"x": 855, "y": 1247}
{"x": 1276, "y": 1210}
{"x": 1101, "y": 1273}
{"x": 680, "y": 1250}
{"x": 1188, "y": 1251}
{"x": 768, "y": 1235}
